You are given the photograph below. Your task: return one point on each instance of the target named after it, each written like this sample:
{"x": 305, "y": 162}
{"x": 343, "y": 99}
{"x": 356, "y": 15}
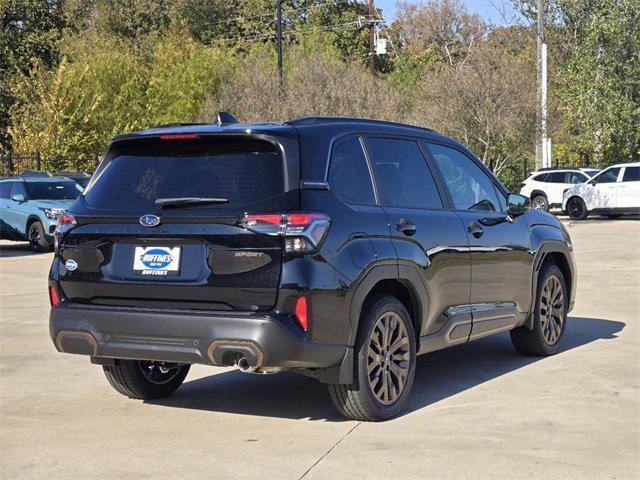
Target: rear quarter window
{"x": 349, "y": 175}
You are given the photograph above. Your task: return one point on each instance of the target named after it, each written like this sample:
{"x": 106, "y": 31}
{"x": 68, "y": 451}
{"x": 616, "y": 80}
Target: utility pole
{"x": 372, "y": 40}
{"x": 279, "y": 39}
{"x": 543, "y": 150}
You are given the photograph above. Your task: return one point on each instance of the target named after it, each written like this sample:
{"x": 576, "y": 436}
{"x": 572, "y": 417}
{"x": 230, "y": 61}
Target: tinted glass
{"x": 17, "y": 188}
{"x": 556, "y": 177}
{"x": 5, "y": 189}
{"x": 247, "y": 173}
{"x": 53, "y": 190}
{"x": 348, "y": 173}
{"x": 608, "y": 176}
{"x": 576, "y": 177}
{"x": 470, "y": 187}
{"x": 541, "y": 177}
{"x": 402, "y": 174}
{"x": 631, "y": 174}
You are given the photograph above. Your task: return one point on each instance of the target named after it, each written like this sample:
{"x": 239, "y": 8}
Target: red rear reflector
{"x": 301, "y": 312}
{"x": 54, "y": 298}
{"x": 179, "y": 136}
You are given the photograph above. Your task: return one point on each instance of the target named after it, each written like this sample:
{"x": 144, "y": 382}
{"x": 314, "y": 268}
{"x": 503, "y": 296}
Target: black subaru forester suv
{"x": 334, "y": 247}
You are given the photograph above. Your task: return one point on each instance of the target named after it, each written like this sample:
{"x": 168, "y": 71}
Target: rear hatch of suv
{"x": 159, "y": 225}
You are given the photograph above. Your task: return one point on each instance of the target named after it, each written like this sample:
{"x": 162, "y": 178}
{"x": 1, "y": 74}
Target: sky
{"x": 489, "y": 10}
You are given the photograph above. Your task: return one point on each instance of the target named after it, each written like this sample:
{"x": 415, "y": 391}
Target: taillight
{"x": 54, "y": 297}
{"x": 66, "y": 219}
{"x": 66, "y": 222}
{"x": 303, "y": 231}
{"x": 301, "y": 312}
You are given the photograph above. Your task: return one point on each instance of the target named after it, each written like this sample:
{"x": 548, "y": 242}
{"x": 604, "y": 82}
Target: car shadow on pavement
{"x": 439, "y": 375}
{"x": 18, "y": 249}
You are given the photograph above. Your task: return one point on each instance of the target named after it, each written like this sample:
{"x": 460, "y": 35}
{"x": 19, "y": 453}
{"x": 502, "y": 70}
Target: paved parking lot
{"x": 477, "y": 411}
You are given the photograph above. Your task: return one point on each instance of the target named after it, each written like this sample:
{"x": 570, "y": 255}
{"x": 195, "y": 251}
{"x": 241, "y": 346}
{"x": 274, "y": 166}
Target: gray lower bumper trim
{"x": 186, "y": 337}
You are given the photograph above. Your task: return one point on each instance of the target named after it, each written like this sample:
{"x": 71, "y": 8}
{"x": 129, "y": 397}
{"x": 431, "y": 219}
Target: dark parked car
{"x": 81, "y": 178}
{"x": 337, "y": 248}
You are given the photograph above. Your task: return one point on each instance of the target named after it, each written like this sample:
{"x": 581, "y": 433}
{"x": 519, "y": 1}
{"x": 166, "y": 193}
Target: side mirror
{"x": 18, "y": 197}
{"x": 517, "y": 204}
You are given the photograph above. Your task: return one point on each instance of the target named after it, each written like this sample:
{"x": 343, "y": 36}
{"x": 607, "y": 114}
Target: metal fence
{"x": 13, "y": 163}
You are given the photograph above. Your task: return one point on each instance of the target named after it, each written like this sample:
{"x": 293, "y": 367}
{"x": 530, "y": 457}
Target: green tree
{"x": 30, "y": 33}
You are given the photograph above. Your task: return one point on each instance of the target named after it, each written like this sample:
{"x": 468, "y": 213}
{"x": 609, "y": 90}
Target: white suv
{"x": 613, "y": 192}
{"x": 545, "y": 187}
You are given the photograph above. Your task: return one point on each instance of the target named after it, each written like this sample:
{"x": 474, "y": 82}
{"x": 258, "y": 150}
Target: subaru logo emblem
{"x": 149, "y": 220}
{"x": 71, "y": 265}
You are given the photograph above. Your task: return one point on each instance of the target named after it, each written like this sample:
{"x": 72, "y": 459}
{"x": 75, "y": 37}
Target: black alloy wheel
{"x": 576, "y": 209}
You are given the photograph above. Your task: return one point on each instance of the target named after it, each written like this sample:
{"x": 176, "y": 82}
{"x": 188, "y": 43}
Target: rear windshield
{"x": 246, "y": 172}
{"x": 53, "y": 190}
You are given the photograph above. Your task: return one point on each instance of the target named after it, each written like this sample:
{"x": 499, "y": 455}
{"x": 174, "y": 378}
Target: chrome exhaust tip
{"x": 243, "y": 365}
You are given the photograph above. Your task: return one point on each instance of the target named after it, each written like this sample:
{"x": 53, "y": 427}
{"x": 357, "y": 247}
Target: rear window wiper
{"x": 187, "y": 201}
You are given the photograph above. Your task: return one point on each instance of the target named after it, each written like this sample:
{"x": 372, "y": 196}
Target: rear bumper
{"x": 187, "y": 337}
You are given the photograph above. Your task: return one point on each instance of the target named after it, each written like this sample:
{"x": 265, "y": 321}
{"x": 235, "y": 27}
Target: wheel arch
{"x": 403, "y": 284}
{"x": 559, "y": 253}
{"x": 536, "y": 192}
{"x": 31, "y": 219}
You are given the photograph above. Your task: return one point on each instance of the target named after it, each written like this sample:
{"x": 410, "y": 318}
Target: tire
{"x": 576, "y": 209}
{"x": 543, "y": 339}
{"x": 366, "y": 399}
{"x": 540, "y": 202}
{"x": 37, "y": 238}
{"x": 128, "y": 377}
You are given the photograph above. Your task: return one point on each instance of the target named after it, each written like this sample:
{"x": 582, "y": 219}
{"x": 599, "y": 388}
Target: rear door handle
{"x": 475, "y": 229}
{"x": 406, "y": 226}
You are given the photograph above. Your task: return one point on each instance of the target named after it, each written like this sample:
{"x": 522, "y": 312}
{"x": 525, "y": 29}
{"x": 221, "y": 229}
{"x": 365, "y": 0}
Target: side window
{"x": 556, "y": 177}
{"x": 402, "y": 174}
{"x": 18, "y": 188}
{"x": 608, "y": 176}
{"x": 5, "y": 190}
{"x": 349, "y": 174}
{"x": 541, "y": 178}
{"x": 576, "y": 177}
{"x": 631, "y": 174}
{"x": 469, "y": 186}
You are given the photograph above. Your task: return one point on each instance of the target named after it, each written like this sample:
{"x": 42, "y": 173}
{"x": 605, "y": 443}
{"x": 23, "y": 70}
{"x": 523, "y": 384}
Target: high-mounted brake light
{"x": 301, "y": 312}
{"x": 179, "y": 136}
{"x": 303, "y": 231}
{"x": 54, "y": 298}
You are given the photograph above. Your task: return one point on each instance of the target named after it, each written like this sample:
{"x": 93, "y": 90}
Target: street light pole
{"x": 372, "y": 46}
{"x": 543, "y": 150}
{"x": 279, "y": 38}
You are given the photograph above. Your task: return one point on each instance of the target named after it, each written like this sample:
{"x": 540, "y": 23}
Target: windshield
{"x": 53, "y": 190}
{"x": 244, "y": 172}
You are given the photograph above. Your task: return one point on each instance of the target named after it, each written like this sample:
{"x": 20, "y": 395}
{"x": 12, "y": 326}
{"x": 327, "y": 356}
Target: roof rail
{"x": 315, "y": 120}
{"x": 34, "y": 174}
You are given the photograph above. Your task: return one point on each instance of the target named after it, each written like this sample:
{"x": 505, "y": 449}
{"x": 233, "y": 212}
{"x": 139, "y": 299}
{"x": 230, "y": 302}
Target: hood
{"x": 577, "y": 189}
{"x": 538, "y": 217}
{"x": 65, "y": 204}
